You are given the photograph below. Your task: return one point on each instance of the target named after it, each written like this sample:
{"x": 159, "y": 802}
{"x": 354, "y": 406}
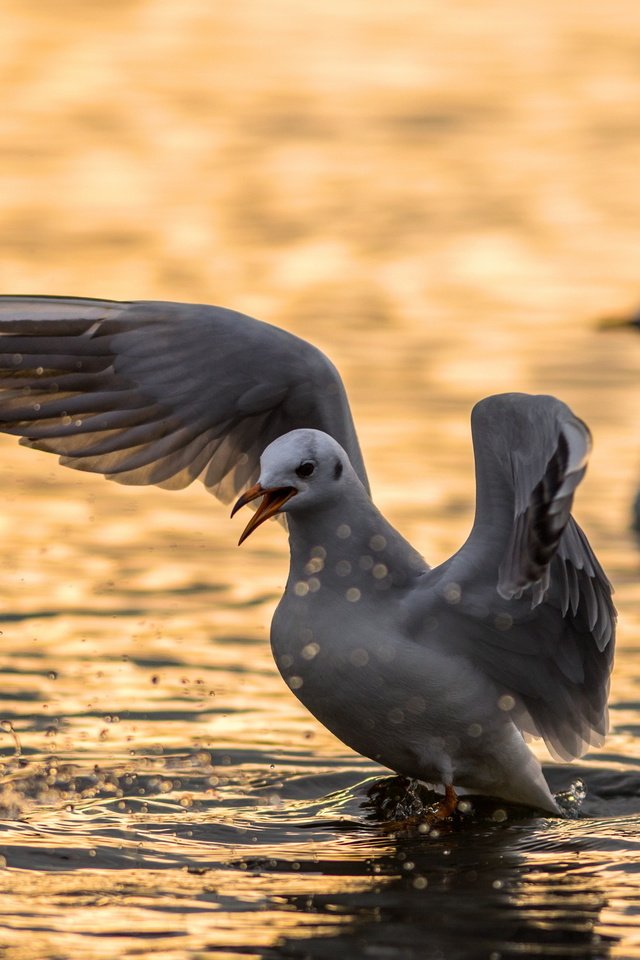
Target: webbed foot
{"x": 432, "y": 817}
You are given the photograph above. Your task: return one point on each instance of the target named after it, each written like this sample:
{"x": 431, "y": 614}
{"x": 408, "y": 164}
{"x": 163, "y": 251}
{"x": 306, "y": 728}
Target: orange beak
{"x": 273, "y": 502}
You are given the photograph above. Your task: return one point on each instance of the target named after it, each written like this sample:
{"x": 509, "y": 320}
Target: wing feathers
{"x": 556, "y": 657}
{"x": 161, "y": 392}
{"x": 543, "y": 516}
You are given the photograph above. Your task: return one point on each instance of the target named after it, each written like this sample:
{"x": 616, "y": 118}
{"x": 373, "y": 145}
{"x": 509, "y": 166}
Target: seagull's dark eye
{"x": 305, "y": 469}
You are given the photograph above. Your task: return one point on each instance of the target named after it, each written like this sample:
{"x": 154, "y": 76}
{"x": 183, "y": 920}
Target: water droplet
{"x": 343, "y": 531}
{"x": 453, "y": 592}
{"x": 353, "y": 594}
{"x": 503, "y": 621}
{"x": 359, "y": 657}
{"x": 310, "y": 651}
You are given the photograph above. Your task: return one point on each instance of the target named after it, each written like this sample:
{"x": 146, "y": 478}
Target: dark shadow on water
{"x": 481, "y": 906}
{"x": 526, "y": 886}
{"x": 475, "y": 889}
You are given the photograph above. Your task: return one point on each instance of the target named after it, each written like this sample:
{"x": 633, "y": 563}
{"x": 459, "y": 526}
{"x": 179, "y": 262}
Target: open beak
{"x": 273, "y": 501}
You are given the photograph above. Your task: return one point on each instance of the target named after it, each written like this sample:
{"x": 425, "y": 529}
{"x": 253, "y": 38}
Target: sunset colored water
{"x": 443, "y": 198}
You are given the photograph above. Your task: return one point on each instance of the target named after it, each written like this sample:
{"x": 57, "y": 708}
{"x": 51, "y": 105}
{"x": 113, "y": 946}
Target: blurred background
{"x": 442, "y": 200}
{"x": 444, "y": 197}
{"x": 397, "y": 164}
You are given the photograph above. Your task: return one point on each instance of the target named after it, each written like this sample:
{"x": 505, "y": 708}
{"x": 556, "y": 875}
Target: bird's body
{"x": 622, "y": 322}
{"x": 347, "y": 642}
{"x": 435, "y": 673}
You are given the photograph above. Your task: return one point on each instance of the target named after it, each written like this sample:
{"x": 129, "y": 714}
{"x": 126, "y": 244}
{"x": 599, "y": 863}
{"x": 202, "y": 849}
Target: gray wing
{"x": 533, "y": 605}
{"x": 161, "y": 393}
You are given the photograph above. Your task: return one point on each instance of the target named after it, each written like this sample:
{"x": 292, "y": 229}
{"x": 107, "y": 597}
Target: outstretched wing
{"x": 161, "y": 393}
{"x": 533, "y": 605}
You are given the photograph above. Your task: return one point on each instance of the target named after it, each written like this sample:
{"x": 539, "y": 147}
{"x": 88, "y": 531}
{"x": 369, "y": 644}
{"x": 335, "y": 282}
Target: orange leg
{"x": 439, "y": 812}
{"x": 447, "y": 807}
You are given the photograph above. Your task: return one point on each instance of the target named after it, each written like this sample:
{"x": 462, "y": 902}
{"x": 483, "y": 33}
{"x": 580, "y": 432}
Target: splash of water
{"x": 570, "y": 801}
{"x": 7, "y": 727}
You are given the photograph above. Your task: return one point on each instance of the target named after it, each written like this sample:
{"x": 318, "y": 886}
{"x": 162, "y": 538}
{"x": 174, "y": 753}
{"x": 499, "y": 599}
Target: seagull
{"x": 440, "y": 674}
{"x": 622, "y": 320}
{"x": 619, "y": 322}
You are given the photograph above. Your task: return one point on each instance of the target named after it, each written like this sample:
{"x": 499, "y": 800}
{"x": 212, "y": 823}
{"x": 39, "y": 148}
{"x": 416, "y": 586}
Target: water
{"x": 442, "y": 198}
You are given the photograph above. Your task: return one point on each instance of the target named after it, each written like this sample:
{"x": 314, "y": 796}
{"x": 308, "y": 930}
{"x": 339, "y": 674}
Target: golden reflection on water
{"x": 443, "y": 198}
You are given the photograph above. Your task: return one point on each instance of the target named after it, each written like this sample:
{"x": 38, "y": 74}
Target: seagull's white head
{"x": 303, "y": 468}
